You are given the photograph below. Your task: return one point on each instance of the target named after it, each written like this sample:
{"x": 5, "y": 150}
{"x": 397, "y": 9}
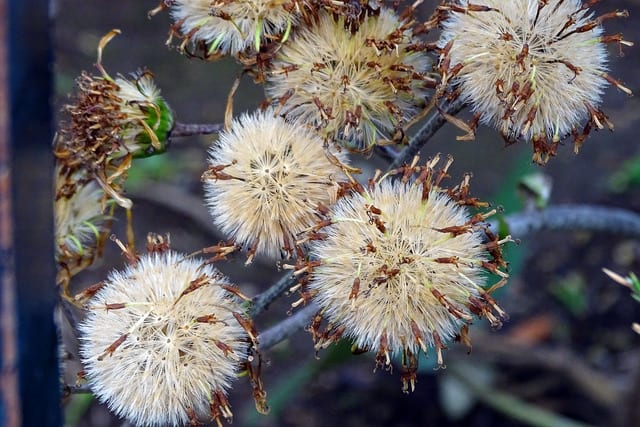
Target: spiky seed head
{"x": 234, "y": 26}
{"x": 110, "y": 121}
{"x": 79, "y": 219}
{"x": 355, "y": 87}
{"x": 266, "y": 178}
{"x": 160, "y": 341}
{"x": 400, "y": 272}
{"x": 534, "y": 70}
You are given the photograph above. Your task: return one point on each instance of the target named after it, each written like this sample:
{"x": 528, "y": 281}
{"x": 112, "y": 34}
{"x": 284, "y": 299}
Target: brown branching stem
{"x": 190, "y": 129}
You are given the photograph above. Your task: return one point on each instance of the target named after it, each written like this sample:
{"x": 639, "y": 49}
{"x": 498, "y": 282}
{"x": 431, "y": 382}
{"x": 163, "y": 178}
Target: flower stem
{"x": 575, "y": 217}
{"x": 284, "y": 329}
{"x": 261, "y": 301}
{"x": 188, "y": 129}
{"x": 426, "y": 132}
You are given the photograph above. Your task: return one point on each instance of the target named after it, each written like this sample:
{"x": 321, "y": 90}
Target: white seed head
{"x": 394, "y": 304}
{"x": 356, "y": 87}
{"x": 151, "y": 360}
{"x": 279, "y": 173}
{"x": 230, "y": 27}
{"x": 526, "y": 67}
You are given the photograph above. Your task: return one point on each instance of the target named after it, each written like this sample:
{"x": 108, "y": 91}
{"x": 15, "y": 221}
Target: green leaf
{"x": 627, "y": 176}
{"x": 571, "y": 292}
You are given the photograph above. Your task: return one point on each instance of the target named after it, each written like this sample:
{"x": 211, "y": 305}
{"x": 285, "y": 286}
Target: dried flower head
{"x": 533, "y": 69}
{"x": 232, "y": 26}
{"x": 402, "y": 269}
{"x": 162, "y": 341}
{"x": 79, "y": 220}
{"x": 110, "y": 122}
{"x": 355, "y": 86}
{"x": 266, "y": 179}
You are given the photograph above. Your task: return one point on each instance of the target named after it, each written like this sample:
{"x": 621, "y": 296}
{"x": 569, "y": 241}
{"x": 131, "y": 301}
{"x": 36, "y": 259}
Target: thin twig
{"x": 190, "y": 129}
{"x": 431, "y": 126}
{"x": 261, "y": 301}
{"x": 284, "y": 329}
{"x": 387, "y": 152}
{"x": 69, "y": 313}
{"x": 77, "y": 389}
{"x": 178, "y": 200}
{"x": 575, "y": 217}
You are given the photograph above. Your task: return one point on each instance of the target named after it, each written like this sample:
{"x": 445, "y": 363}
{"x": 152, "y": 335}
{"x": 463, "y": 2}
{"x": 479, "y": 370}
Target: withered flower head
{"x": 535, "y": 70}
{"x": 162, "y": 341}
{"x": 229, "y": 27}
{"x": 356, "y": 87}
{"x": 79, "y": 219}
{"x": 110, "y": 122}
{"x": 402, "y": 268}
{"x": 266, "y": 178}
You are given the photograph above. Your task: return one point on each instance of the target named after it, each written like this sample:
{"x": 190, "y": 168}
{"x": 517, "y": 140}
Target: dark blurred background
{"x": 568, "y": 350}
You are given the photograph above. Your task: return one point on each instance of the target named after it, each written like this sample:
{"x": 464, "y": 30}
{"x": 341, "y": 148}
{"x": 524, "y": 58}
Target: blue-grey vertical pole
{"x": 9, "y": 384}
{"x": 30, "y": 74}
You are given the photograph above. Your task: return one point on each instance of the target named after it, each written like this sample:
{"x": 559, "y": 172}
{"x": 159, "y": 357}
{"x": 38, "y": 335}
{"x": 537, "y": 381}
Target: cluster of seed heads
{"x": 352, "y": 70}
{"x": 398, "y": 266}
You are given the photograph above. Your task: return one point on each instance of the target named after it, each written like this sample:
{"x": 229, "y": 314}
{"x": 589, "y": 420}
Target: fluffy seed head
{"x": 160, "y": 343}
{"x": 355, "y": 86}
{"x": 266, "y": 179}
{"x": 401, "y": 270}
{"x": 233, "y": 26}
{"x": 535, "y": 70}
